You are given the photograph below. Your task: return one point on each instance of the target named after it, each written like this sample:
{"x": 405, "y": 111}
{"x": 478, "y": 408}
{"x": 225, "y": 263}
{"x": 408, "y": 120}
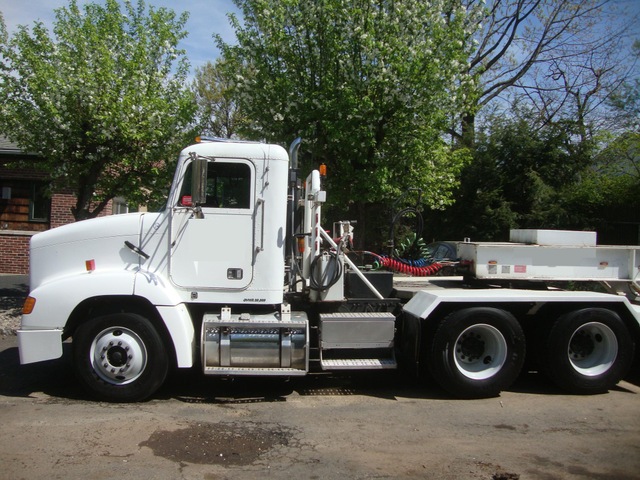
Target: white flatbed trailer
{"x": 554, "y": 259}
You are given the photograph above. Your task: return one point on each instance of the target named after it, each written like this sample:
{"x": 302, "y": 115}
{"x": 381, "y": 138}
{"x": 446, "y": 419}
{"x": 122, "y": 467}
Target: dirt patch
{"x": 218, "y": 443}
{"x": 484, "y": 468}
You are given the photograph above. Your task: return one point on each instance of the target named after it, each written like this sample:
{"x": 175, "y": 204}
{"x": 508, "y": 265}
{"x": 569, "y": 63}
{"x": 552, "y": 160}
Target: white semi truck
{"x": 237, "y": 277}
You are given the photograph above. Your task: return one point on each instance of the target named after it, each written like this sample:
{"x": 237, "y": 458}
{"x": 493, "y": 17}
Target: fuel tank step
{"x": 359, "y": 364}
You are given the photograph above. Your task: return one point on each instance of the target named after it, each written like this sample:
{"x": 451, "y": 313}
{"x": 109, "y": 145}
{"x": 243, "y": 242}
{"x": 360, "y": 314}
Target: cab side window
{"x": 228, "y": 186}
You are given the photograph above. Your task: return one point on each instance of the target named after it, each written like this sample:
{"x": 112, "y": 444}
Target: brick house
{"x": 25, "y": 209}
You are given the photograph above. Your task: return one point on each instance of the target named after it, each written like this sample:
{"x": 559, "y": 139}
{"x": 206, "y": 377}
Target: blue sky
{"x": 206, "y": 17}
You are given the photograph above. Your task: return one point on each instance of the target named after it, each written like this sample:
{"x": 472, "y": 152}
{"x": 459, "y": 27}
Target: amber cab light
{"x": 301, "y": 244}
{"x": 29, "y": 305}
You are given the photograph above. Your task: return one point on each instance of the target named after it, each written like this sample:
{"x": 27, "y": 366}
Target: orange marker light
{"x": 323, "y": 170}
{"x": 29, "y": 305}
{"x": 90, "y": 265}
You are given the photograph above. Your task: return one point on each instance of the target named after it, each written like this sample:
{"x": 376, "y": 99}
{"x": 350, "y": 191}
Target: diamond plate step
{"x": 359, "y": 364}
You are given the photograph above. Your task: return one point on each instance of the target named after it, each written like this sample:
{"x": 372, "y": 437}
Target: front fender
{"x": 40, "y": 334}
{"x": 161, "y": 293}
{"x": 55, "y": 301}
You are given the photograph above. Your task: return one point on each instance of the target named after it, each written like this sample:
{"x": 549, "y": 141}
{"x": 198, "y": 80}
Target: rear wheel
{"x": 588, "y": 351}
{"x": 120, "y": 357}
{"x": 477, "y": 352}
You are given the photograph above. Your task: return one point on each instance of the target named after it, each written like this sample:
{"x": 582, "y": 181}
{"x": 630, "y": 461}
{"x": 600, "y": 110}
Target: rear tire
{"x": 120, "y": 357}
{"x": 477, "y": 352}
{"x": 588, "y": 351}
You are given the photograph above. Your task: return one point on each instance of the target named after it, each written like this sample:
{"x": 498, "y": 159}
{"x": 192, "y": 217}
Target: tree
{"x": 3, "y": 32}
{"x": 554, "y": 52}
{"x": 625, "y": 100}
{"x": 102, "y": 100}
{"x": 522, "y": 176}
{"x": 548, "y": 74}
{"x": 606, "y": 198}
{"x": 218, "y": 113}
{"x": 369, "y": 85}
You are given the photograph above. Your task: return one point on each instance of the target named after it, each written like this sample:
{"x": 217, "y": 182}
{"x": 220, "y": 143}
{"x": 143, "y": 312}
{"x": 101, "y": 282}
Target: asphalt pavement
{"x": 14, "y": 285}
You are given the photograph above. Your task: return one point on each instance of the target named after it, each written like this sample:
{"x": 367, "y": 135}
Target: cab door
{"x": 215, "y": 249}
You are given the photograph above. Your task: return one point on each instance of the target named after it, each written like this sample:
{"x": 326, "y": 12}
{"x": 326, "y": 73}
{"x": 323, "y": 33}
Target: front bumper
{"x": 39, "y": 345}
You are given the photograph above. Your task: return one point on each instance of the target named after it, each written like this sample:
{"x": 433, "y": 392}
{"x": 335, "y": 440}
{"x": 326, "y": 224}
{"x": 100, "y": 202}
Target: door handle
{"x": 261, "y": 205}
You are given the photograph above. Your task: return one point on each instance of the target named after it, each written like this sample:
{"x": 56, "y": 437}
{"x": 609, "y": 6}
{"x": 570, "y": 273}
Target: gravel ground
{"x": 13, "y": 290}
{"x": 10, "y": 308}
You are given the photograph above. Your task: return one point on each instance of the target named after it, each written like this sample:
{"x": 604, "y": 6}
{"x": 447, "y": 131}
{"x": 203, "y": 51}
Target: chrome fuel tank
{"x": 255, "y": 344}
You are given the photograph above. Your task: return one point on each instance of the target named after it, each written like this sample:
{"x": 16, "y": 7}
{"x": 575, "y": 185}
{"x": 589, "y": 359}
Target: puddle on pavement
{"x": 218, "y": 443}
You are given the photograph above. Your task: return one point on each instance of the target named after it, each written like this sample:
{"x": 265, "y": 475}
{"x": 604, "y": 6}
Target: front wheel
{"x": 120, "y": 357}
{"x": 477, "y": 352}
{"x": 588, "y": 351}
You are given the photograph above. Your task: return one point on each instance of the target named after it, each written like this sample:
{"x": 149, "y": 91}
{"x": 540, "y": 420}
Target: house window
{"x": 38, "y": 203}
{"x": 120, "y": 206}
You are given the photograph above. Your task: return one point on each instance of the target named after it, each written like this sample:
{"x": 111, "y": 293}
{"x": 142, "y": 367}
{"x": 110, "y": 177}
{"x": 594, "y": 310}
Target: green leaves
{"x": 368, "y": 84}
{"x": 102, "y": 100}
{"x": 218, "y": 113}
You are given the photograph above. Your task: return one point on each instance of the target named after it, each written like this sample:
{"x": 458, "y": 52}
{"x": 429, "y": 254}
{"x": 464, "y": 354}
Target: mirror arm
{"x": 197, "y": 212}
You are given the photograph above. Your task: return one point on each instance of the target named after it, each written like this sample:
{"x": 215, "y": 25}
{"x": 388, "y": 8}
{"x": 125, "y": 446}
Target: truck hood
{"x": 103, "y": 227}
{"x": 70, "y": 249}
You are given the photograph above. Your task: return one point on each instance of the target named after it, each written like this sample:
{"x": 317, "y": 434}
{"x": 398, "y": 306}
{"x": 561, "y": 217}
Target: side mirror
{"x": 199, "y": 181}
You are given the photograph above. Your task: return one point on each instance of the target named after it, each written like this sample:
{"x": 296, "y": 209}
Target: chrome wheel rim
{"x": 118, "y": 355}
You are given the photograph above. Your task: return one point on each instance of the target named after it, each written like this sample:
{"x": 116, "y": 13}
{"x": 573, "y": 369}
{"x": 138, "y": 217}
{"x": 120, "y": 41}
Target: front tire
{"x": 477, "y": 352}
{"x": 120, "y": 357}
{"x": 588, "y": 351}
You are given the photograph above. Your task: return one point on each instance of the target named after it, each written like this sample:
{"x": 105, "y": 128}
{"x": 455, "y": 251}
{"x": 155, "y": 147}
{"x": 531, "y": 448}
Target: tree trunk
{"x": 468, "y": 126}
